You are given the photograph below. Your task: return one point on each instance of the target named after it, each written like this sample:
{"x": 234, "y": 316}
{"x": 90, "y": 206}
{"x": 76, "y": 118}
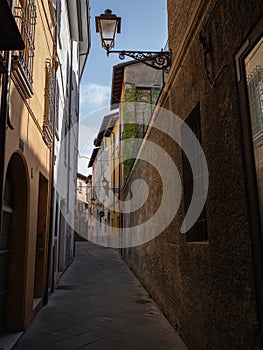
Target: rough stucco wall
{"x": 206, "y": 289}
{"x": 140, "y": 75}
{"x": 179, "y": 13}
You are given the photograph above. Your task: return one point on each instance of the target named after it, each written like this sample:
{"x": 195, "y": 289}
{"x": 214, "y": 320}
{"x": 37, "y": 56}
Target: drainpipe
{"x": 50, "y": 260}
{"x": 69, "y": 138}
{"x": 51, "y": 202}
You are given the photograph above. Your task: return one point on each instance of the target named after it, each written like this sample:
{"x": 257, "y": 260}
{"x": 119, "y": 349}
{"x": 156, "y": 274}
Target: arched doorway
{"x": 13, "y": 246}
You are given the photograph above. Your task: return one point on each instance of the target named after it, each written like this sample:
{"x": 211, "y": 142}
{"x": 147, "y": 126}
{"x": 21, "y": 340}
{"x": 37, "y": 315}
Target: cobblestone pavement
{"x": 99, "y": 305}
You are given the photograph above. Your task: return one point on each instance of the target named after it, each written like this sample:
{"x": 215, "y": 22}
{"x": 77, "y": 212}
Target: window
{"x": 249, "y": 63}
{"x": 254, "y": 85}
{"x": 255, "y": 91}
{"x": 80, "y": 208}
{"x": 57, "y": 7}
{"x": 198, "y": 232}
{"x": 49, "y": 109}
{"x": 149, "y": 96}
{"x": 80, "y": 187}
{"x": 112, "y": 143}
{"x": 25, "y": 15}
{"x": 57, "y": 110}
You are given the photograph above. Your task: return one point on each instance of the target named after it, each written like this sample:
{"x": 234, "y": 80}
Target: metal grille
{"x": 57, "y": 107}
{"x": 255, "y": 93}
{"x": 49, "y": 113}
{"x": 25, "y": 15}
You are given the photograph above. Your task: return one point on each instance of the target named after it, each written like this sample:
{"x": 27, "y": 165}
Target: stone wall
{"x": 206, "y": 289}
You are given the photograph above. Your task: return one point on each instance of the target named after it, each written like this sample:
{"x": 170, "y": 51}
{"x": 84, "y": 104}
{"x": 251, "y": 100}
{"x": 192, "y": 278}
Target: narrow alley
{"x": 99, "y": 304}
{"x": 131, "y": 175}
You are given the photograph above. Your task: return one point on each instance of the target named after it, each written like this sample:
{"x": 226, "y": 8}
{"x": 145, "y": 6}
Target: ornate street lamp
{"x": 105, "y": 185}
{"x": 108, "y": 25}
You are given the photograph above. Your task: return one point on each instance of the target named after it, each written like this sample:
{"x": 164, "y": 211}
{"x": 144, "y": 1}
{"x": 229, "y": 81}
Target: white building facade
{"x": 73, "y": 43}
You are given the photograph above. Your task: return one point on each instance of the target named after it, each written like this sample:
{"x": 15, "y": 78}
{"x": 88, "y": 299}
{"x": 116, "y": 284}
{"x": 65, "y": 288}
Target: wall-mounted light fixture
{"x": 108, "y": 25}
{"x": 105, "y": 183}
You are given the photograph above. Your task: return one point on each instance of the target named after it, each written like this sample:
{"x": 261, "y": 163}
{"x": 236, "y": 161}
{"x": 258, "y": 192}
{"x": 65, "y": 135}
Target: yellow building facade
{"x": 28, "y": 167}
{"x": 115, "y": 172}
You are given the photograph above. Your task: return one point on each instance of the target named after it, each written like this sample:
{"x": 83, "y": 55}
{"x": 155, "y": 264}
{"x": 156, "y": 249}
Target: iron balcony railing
{"x": 26, "y": 20}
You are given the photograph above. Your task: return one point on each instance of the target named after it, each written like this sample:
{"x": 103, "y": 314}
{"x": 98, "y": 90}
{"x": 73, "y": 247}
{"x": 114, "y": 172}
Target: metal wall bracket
{"x": 156, "y": 59}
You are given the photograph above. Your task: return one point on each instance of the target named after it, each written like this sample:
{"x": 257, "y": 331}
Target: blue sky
{"x": 143, "y": 27}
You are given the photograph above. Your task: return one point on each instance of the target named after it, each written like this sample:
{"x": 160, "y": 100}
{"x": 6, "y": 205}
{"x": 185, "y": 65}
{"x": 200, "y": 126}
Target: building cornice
{"x": 200, "y": 12}
{"x": 79, "y": 22}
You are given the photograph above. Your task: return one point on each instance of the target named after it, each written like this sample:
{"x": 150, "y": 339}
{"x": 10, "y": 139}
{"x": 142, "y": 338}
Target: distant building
{"x": 90, "y": 205}
{"x": 135, "y": 89}
{"x": 81, "y": 208}
{"x": 105, "y": 180}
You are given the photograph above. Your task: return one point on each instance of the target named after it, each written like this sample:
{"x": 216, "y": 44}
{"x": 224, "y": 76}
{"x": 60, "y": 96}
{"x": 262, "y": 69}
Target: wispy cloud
{"x": 94, "y": 95}
{"x": 94, "y": 105}
{"x": 86, "y": 138}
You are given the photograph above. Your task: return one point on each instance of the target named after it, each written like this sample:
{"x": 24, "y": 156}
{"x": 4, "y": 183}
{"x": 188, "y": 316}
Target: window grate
{"x": 25, "y": 15}
{"x": 255, "y": 92}
{"x": 49, "y": 112}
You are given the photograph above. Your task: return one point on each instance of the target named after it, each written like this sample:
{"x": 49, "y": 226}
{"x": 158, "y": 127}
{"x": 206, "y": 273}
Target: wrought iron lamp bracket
{"x": 156, "y": 59}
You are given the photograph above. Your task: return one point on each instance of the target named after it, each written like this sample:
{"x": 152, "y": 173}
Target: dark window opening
{"x": 198, "y": 232}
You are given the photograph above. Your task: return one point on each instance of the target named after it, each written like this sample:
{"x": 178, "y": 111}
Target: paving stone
{"x": 99, "y": 305}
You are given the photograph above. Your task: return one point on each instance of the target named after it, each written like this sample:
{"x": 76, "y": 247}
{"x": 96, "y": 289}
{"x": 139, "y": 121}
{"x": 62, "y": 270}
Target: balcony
{"x": 25, "y": 17}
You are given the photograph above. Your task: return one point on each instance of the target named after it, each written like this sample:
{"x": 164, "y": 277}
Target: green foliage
{"x": 130, "y": 121}
{"x": 129, "y": 93}
{"x": 129, "y": 130}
